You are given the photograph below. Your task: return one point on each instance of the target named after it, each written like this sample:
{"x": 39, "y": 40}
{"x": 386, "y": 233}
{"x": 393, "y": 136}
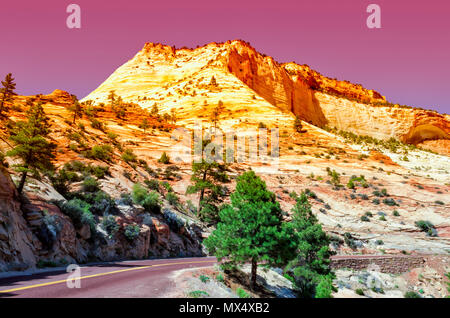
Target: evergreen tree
{"x": 311, "y": 266}
{"x": 144, "y": 124}
{"x": 119, "y": 107}
{"x": 207, "y": 178}
{"x": 250, "y": 229}
{"x": 32, "y": 145}
{"x": 112, "y": 97}
{"x": 173, "y": 115}
{"x": 217, "y": 111}
{"x": 155, "y": 110}
{"x": 76, "y": 109}
{"x": 298, "y": 124}
{"x": 7, "y": 90}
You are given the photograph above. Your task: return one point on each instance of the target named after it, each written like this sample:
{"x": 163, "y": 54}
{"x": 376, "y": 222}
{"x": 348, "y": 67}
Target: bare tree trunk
{"x": 202, "y": 194}
{"x": 254, "y": 269}
{"x": 22, "y": 182}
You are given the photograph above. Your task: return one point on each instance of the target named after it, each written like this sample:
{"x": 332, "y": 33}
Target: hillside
{"x": 359, "y": 158}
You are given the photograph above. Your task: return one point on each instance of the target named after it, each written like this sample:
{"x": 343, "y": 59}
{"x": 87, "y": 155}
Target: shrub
{"x": 112, "y": 136}
{"x": 149, "y": 200}
{"x": 364, "y": 196}
{"x": 100, "y": 152}
{"x": 90, "y": 184}
{"x": 382, "y": 218}
{"x": 411, "y": 294}
{"x": 439, "y": 202}
{"x": 390, "y": 202}
{"x": 348, "y": 239}
{"x": 126, "y": 199}
{"x": 100, "y": 202}
{"x": 262, "y": 125}
{"x": 78, "y": 211}
{"x": 324, "y": 288}
{"x": 166, "y": 185}
{"x": 220, "y": 278}
{"x": 172, "y": 198}
{"x": 359, "y": 292}
{"x": 99, "y": 171}
{"x": 379, "y": 242}
{"x": 165, "y": 159}
{"x": 152, "y": 184}
{"x": 378, "y": 290}
{"x": 350, "y": 184}
{"x": 364, "y": 218}
{"x": 204, "y": 279}
{"x": 377, "y": 193}
{"x": 310, "y": 194}
{"x": 426, "y": 226}
{"x": 131, "y": 232}
{"x": 97, "y": 124}
{"x": 242, "y": 293}
{"x": 198, "y": 294}
{"x": 395, "y": 213}
{"x": 110, "y": 225}
{"x": 376, "y": 201}
{"x": 129, "y": 156}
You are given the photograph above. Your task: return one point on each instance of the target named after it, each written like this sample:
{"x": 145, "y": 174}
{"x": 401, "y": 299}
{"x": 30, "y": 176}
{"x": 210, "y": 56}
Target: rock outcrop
{"x": 16, "y": 243}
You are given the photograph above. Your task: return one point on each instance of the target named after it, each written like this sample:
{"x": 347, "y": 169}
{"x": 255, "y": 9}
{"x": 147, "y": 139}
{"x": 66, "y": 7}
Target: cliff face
{"x": 270, "y": 81}
{"x": 179, "y": 79}
{"x": 318, "y": 82}
{"x": 406, "y": 124}
{"x": 16, "y": 248}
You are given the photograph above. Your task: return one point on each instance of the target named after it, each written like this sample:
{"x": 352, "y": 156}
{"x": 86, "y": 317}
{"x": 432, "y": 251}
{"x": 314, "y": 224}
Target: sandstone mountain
{"x": 254, "y": 87}
{"x": 367, "y": 189}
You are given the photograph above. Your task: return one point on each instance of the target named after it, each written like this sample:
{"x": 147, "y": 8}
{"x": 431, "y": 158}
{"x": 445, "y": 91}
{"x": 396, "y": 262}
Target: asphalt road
{"x": 144, "y": 278}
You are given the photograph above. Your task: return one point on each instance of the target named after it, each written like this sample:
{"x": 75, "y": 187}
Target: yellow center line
{"x": 100, "y": 274}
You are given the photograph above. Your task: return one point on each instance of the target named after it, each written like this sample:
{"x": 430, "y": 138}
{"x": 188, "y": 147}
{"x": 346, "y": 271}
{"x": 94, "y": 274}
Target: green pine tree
{"x": 207, "y": 178}
{"x": 76, "y": 109}
{"x": 7, "y": 90}
{"x": 32, "y": 146}
{"x": 311, "y": 266}
{"x": 250, "y": 229}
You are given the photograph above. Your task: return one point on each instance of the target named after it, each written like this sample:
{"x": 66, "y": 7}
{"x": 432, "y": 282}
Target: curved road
{"x": 144, "y": 278}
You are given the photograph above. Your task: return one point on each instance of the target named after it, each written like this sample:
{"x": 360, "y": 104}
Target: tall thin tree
{"x": 7, "y": 90}
{"x": 32, "y": 144}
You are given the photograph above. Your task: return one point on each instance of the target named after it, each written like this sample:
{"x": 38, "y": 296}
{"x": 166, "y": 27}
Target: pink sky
{"x": 407, "y": 60}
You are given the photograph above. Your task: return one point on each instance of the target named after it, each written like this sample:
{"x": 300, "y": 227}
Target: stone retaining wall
{"x": 386, "y": 264}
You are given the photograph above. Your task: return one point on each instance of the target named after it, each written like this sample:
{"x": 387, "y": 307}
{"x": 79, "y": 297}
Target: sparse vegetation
{"x": 110, "y": 225}
{"x": 165, "y": 159}
{"x": 427, "y": 227}
{"x": 131, "y": 232}
{"x": 149, "y": 200}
